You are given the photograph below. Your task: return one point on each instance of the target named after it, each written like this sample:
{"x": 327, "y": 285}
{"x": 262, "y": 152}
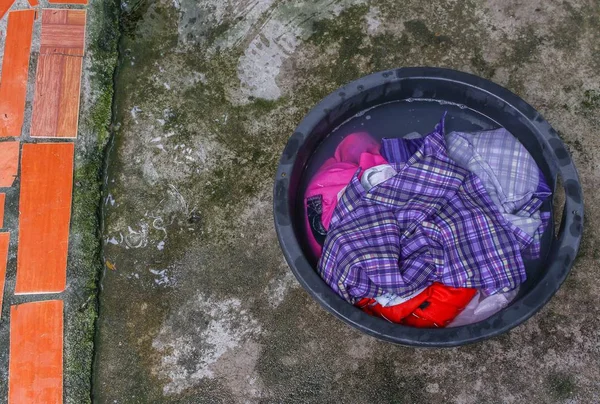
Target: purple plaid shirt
{"x": 510, "y": 176}
{"x": 433, "y": 221}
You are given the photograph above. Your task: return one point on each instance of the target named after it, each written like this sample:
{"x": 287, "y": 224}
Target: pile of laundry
{"x": 427, "y": 231}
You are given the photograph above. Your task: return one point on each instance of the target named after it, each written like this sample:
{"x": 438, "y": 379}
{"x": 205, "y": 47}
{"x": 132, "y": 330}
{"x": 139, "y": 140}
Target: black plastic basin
{"x": 391, "y": 104}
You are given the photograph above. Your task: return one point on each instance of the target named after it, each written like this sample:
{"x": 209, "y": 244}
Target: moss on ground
{"x": 349, "y": 33}
{"x": 133, "y": 13}
{"x": 591, "y": 99}
{"x": 84, "y": 263}
{"x": 419, "y": 30}
{"x": 562, "y": 386}
{"x": 571, "y": 28}
{"x": 481, "y": 66}
{"x": 99, "y": 112}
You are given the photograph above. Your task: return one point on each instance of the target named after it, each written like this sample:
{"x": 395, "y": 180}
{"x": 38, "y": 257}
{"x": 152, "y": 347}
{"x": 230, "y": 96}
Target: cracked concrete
{"x": 197, "y": 304}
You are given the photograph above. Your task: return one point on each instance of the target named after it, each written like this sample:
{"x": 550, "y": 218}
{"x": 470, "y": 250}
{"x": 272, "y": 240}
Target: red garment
{"x": 435, "y": 307}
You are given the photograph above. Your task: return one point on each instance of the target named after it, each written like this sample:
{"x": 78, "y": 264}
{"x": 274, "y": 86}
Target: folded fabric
{"x": 432, "y": 222}
{"x": 509, "y": 175}
{"x": 357, "y": 150}
{"x": 436, "y": 306}
{"x": 482, "y": 307}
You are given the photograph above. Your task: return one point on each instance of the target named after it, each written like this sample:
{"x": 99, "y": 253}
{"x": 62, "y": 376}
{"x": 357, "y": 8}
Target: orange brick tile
{"x": 5, "y": 5}
{"x": 44, "y": 217}
{"x": 63, "y": 32}
{"x": 15, "y": 68}
{"x": 44, "y": 122}
{"x": 58, "y": 76}
{"x": 2, "y": 202}
{"x": 54, "y": 16}
{"x": 68, "y": 117}
{"x": 4, "y": 241}
{"x": 65, "y": 39}
{"x": 9, "y": 161}
{"x": 56, "y": 100}
{"x": 51, "y": 16}
{"x": 35, "y": 373}
{"x": 76, "y": 17}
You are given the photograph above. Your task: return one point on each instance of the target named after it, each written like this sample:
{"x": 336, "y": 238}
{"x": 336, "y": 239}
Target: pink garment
{"x": 355, "y": 150}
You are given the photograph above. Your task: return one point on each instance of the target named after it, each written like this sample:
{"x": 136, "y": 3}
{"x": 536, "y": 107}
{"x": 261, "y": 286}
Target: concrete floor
{"x": 197, "y": 303}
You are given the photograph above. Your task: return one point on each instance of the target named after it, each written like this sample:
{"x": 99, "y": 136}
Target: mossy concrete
{"x": 197, "y": 303}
